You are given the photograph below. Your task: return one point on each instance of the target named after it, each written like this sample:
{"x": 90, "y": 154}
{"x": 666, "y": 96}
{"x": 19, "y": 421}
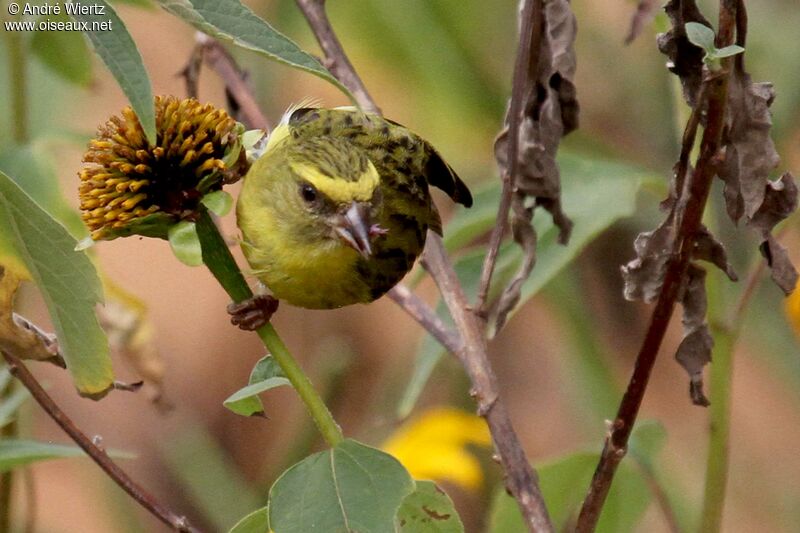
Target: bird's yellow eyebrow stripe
{"x": 338, "y": 189}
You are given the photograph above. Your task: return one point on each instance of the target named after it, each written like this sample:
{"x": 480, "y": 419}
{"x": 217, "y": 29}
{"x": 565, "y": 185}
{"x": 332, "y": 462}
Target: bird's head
{"x": 333, "y": 194}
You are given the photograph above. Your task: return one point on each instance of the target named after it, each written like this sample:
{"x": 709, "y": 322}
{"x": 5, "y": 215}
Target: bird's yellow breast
{"x": 311, "y": 274}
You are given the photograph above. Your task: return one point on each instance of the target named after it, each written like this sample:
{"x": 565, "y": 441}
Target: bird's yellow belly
{"x": 314, "y": 279}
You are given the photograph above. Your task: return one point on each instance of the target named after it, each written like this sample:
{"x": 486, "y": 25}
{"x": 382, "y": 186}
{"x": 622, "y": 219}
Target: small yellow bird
{"x": 336, "y": 210}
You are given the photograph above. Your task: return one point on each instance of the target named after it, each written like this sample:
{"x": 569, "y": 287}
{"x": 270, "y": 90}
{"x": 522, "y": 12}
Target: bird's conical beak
{"x": 353, "y": 227}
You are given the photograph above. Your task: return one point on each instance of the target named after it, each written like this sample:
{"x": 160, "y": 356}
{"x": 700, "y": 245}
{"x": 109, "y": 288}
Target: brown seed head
{"x": 129, "y": 186}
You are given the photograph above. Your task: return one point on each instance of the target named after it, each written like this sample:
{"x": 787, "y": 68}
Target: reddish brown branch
{"x": 335, "y": 59}
{"x": 424, "y": 315}
{"x": 530, "y": 40}
{"x": 219, "y": 59}
{"x": 145, "y": 499}
{"x": 521, "y": 480}
{"x": 689, "y": 214}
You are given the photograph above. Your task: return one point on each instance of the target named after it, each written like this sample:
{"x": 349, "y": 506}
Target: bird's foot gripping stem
{"x": 254, "y": 312}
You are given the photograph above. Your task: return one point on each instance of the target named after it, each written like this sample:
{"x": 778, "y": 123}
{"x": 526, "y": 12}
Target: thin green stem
{"x": 220, "y": 262}
{"x": 726, "y": 331}
{"x": 330, "y": 430}
{"x": 721, "y": 374}
{"x": 9, "y": 431}
{"x": 18, "y": 80}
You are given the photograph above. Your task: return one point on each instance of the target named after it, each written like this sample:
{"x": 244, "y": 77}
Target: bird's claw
{"x": 254, "y": 312}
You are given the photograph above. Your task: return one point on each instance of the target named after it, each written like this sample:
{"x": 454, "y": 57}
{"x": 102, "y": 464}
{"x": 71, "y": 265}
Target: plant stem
{"x": 316, "y": 407}
{"x": 721, "y": 377}
{"x": 522, "y": 482}
{"x": 21, "y": 372}
{"x": 335, "y": 59}
{"x": 17, "y": 75}
{"x": 220, "y": 262}
{"x": 7, "y": 478}
{"x": 530, "y": 38}
{"x": 693, "y": 193}
{"x": 18, "y": 78}
{"x": 726, "y": 332}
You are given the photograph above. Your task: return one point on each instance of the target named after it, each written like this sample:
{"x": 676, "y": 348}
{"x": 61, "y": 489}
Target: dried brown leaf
{"x": 708, "y": 248}
{"x": 17, "y": 334}
{"x": 685, "y": 59}
{"x": 550, "y": 112}
{"x": 694, "y": 351}
{"x": 779, "y": 201}
{"x": 525, "y": 235}
{"x": 131, "y": 334}
{"x": 644, "y": 275}
{"x": 750, "y": 154}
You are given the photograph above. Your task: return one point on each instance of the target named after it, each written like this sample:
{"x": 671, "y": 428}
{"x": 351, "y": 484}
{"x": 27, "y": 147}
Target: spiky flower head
{"x": 129, "y": 186}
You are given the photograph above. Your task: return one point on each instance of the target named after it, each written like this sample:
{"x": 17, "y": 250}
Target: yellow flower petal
{"x": 434, "y": 446}
{"x": 792, "y": 308}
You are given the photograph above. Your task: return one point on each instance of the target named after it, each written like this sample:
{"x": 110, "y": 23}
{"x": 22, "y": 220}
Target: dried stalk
{"x": 530, "y": 40}
{"x": 215, "y": 55}
{"x": 689, "y": 214}
{"x": 99, "y": 456}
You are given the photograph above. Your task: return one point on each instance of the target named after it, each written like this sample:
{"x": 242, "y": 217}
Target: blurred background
{"x": 443, "y": 68}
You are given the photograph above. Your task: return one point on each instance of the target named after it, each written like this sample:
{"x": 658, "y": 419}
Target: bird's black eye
{"x": 308, "y": 193}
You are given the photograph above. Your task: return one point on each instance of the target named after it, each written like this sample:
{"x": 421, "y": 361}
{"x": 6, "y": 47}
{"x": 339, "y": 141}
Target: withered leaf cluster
{"x": 550, "y": 111}
{"x": 747, "y": 157}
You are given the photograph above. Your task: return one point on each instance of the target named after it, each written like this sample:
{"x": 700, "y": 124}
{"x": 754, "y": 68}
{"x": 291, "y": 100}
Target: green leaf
{"x": 116, "y": 48}
{"x": 147, "y": 4}
{"x": 185, "y": 243}
{"x": 727, "y": 51}
{"x": 208, "y": 477}
{"x": 229, "y": 20}
{"x": 218, "y": 202}
{"x": 31, "y": 167}
{"x": 68, "y": 282}
{"x": 64, "y": 52}
{"x": 428, "y": 510}
{"x": 701, "y": 36}
{"x": 255, "y": 522}
{"x": 264, "y": 376}
{"x": 15, "y": 453}
{"x": 563, "y": 483}
{"x": 469, "y": 224}
{"x": 18, "y": 452}
{"x": 428, "y": 357}
{"x": 647, "y": 440}
{"x": 11, "y": 404}
{"x": 349, "y": 488}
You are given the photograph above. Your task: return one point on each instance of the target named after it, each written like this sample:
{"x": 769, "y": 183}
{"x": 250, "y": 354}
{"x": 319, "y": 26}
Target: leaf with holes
{"x": 428, "y": 510}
